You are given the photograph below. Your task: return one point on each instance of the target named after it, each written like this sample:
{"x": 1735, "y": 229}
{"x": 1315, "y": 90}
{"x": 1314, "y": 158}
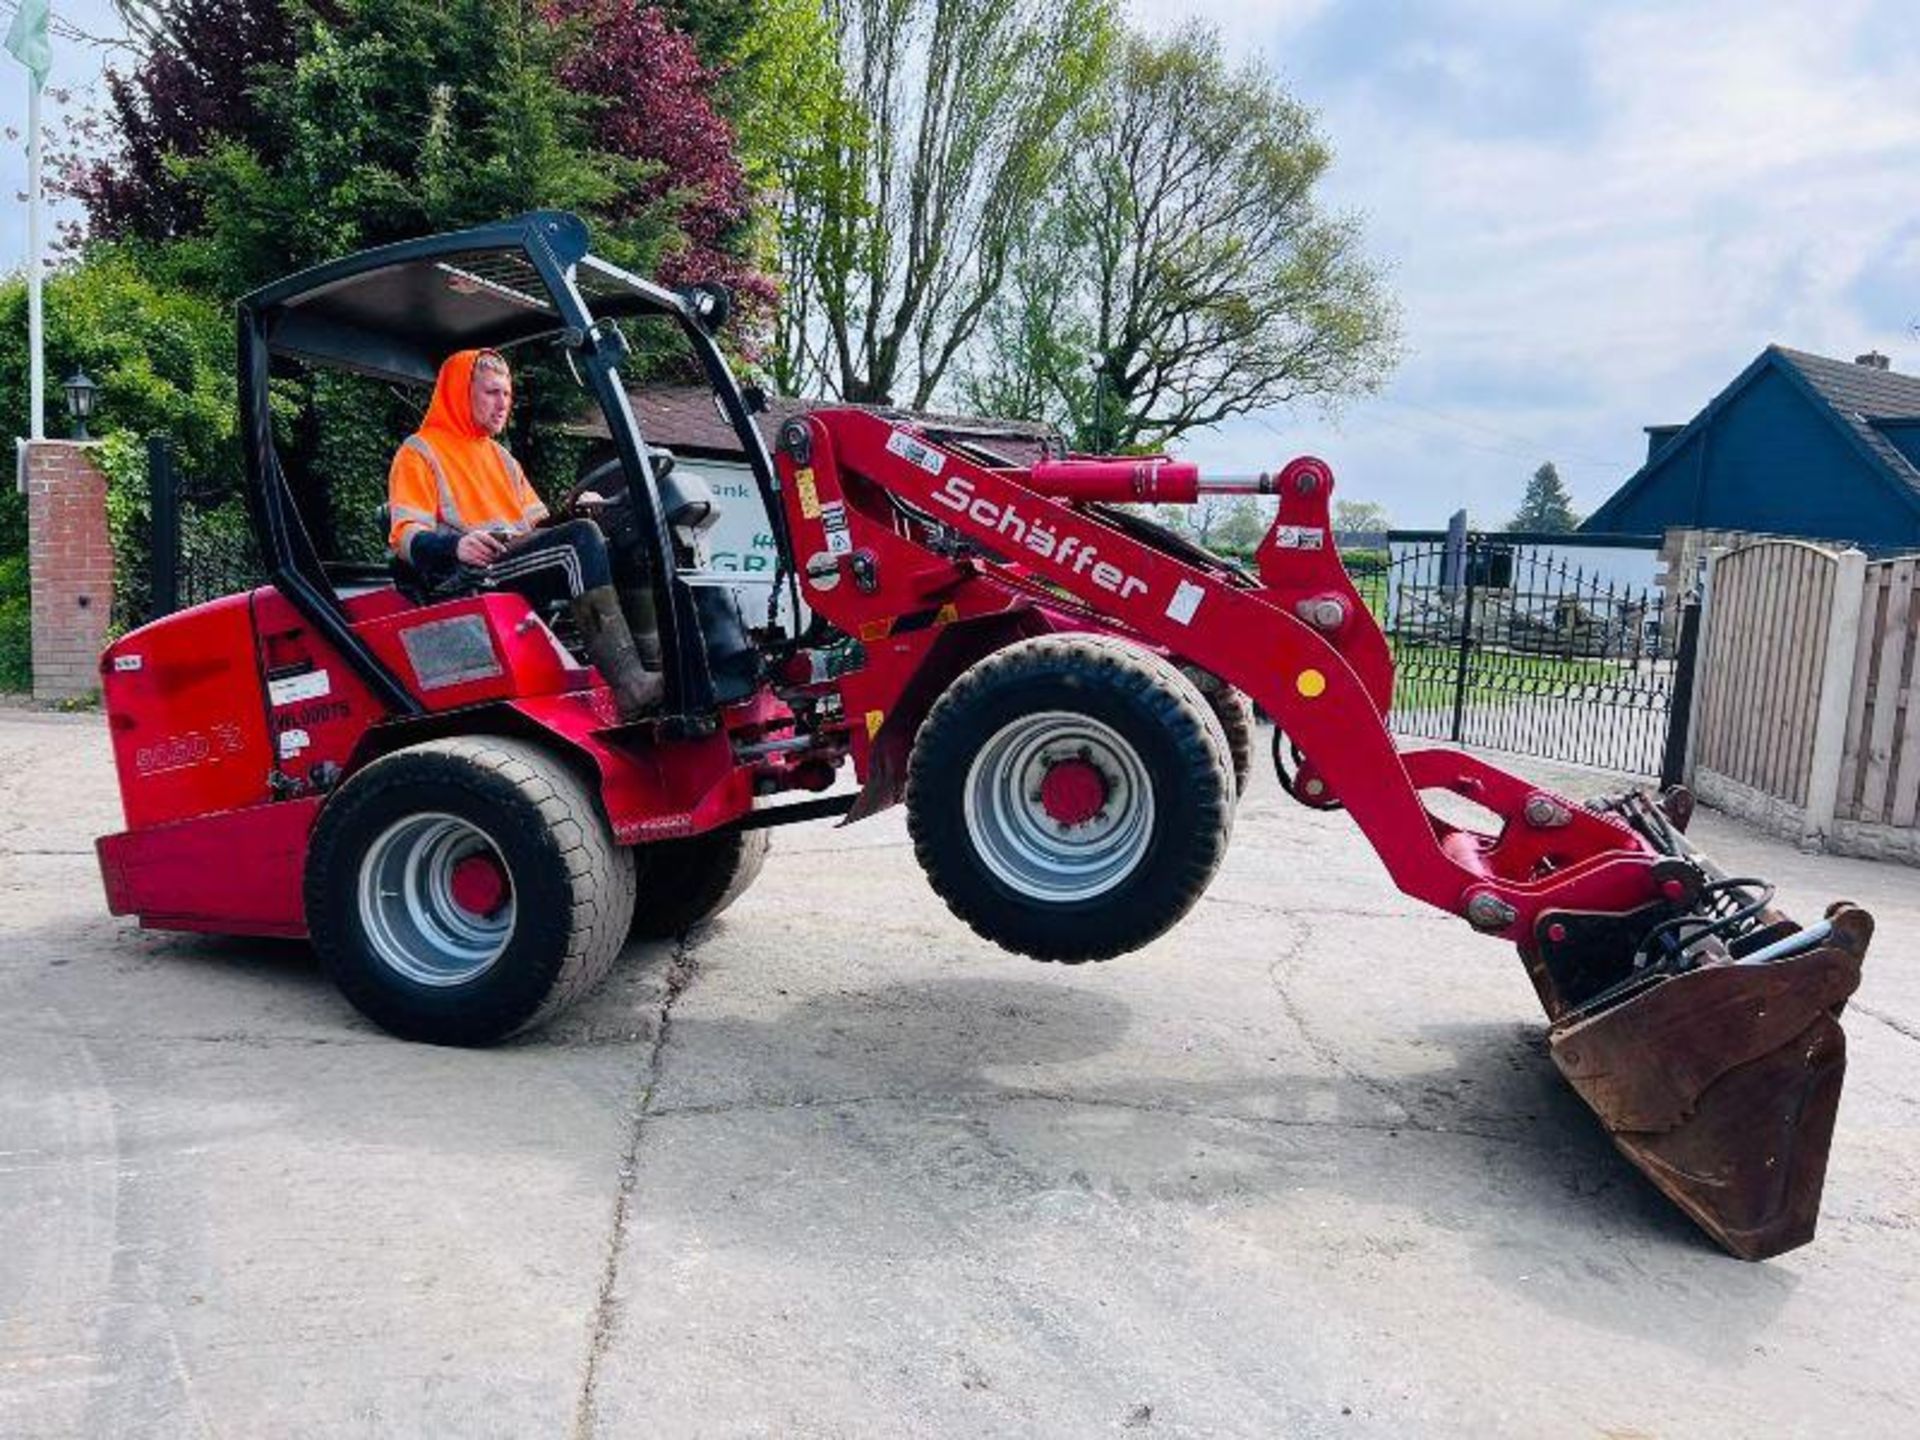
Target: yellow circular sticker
{"x": 1311, "y": 683}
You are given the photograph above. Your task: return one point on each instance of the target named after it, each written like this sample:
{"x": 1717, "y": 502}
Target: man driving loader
{"x": 457, "y": 498}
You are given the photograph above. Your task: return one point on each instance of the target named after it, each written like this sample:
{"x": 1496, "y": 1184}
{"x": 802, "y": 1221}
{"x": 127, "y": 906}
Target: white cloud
{"x": 1605, "y": 245}
{"x": 1596, "y": 214}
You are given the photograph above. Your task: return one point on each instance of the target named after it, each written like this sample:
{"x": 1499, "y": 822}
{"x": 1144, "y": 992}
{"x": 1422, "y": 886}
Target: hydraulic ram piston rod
{"x": 1150, "y": 479}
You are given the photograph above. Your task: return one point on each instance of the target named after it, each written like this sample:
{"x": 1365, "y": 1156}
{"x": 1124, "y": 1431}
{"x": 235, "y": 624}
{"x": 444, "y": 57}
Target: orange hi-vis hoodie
{"x": 450, "y": 475}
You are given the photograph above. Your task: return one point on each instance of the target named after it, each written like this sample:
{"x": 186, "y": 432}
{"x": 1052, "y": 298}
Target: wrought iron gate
{"x": 200, "y": 543}
{"x": 1540, "y": 646}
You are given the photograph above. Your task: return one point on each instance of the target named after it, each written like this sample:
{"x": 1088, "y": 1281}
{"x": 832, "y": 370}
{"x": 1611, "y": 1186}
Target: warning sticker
{"x": 292, "y": 689}
{"x": 908, "y": 448}
{"x": 833, "y": 519}
{"x": 809, "y": 492}
{"x": 1298, "y": 537}
{"x": 1186, "y": 600}
{"x": 292, "y": 742}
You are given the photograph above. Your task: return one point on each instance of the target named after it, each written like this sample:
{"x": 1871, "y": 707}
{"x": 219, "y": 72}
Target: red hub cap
{"x": 1073, "y": 792}
{"x": 479, "y": 885}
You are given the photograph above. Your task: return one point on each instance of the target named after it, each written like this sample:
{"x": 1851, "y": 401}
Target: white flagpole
{"x": 37, "y": 387}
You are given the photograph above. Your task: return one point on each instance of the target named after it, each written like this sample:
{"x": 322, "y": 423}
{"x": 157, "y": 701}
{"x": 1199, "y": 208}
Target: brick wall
{"x": 70, "y": 564}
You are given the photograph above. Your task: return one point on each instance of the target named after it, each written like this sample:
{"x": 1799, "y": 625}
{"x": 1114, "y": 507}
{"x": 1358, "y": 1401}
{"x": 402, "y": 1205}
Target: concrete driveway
{"x": 837, "y": 1168}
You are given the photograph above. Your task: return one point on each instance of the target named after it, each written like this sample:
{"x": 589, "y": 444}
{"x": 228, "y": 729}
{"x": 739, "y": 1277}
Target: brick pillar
{"x": 70, "y": 565}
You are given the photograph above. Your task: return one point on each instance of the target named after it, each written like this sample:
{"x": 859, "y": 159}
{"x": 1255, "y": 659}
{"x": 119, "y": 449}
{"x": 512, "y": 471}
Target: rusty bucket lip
{"x": 1735, "y": 1132}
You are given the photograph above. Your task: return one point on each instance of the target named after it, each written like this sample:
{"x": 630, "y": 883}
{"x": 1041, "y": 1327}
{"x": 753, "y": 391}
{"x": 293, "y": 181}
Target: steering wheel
{"x": 605, "y": 480}
{"x": 609, "y": 479}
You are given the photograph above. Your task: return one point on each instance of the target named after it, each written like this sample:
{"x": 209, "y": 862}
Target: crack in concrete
{"x": 680, "y": 973}
{"x": 1326, "y": 1053}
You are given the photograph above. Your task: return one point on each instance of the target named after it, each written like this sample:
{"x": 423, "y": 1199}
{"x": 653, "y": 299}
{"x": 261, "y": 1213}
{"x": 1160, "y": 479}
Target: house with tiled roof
{"x": 1798, "y": 444}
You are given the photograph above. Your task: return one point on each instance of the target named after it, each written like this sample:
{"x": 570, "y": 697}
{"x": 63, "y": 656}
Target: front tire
{"x": 1069, "y": 797}
{"x": 461, "y": 890}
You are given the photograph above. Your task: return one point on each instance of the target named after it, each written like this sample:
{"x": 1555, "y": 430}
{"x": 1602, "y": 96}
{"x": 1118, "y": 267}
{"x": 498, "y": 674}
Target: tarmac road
{"x": 837, "y": 1168}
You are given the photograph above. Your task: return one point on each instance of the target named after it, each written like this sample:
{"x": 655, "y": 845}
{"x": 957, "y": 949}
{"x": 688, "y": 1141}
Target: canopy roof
{"x": 399, "y": 310}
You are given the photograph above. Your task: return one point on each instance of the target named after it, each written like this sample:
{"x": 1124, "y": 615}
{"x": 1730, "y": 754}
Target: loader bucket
{"x": 1721, "y": 1082}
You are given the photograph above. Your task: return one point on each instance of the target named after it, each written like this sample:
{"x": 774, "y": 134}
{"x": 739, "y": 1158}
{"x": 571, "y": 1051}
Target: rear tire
{"x": 1069, "y": 797}
{"x": 1234, "y": 711}
{"x": 461, "y": 890}
{"x": 683, "y": 883}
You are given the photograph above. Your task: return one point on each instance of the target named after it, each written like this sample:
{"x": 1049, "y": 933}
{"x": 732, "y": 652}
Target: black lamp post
{"x": 82, "y": 393}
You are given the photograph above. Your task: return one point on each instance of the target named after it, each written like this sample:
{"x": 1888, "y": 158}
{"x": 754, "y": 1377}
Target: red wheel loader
{"x": 437, "y": 791}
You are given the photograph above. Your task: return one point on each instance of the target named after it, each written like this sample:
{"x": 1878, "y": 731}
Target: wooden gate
{"x": 1808, "y": 718}
{"x": 1762, "y": 664}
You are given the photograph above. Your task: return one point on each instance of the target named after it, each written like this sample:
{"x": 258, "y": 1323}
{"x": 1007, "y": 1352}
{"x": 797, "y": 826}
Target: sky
{"x": 1594, "y": 214}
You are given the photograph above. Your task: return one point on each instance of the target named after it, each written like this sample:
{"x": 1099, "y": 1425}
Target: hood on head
{"x": 452, "y": 407}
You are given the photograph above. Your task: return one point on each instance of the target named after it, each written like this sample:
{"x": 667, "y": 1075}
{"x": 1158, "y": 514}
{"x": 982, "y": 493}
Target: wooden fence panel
{"x": 1807, "y": 646}
{"x": 1873, "y": 604}
{"x": 1886, "y": 739}
{"x": 1765, "y": 650}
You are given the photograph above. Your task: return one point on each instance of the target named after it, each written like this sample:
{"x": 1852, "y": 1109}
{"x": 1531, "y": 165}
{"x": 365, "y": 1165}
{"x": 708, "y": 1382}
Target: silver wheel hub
{"x": 436, "y": 900}
{"x": 1059, "y": 806}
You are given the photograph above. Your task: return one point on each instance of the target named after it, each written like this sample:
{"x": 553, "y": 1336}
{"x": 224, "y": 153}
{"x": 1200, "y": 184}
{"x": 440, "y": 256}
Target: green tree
{"x": 163, "y": 358}
{"x": 784, "y": 92}
{"x": 718, "y": 27}
{"x": 1360, "y": 517}
{"x": 1185, "y": 271}
{"x": 955, "y": 119}
{"x": 400, "y": 118}
{"x": 1546, "y": 507}
{"x": 1242, "y": 526}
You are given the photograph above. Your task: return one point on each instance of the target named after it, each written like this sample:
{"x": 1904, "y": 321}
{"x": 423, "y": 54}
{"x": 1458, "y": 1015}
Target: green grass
{"x": 1426, "y": 675}
{"x": 1492, "y": 674}
{"x": 16, "y": 626}
{"x": 1371, "y": 581}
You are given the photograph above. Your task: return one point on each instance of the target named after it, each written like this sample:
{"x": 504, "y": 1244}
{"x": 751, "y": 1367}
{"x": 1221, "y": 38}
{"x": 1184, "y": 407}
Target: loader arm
{"x": 1326, "y": 685}
{"x": 1701, "y": 1025}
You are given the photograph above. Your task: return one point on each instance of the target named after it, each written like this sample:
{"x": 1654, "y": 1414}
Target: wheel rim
{"x": 1037, "y": 837}
{"x": 413, "y": 881}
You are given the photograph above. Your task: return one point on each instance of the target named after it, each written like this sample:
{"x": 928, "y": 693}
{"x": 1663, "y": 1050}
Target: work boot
{"x": 646, "y": 625}
{"x": 637, "y": 691}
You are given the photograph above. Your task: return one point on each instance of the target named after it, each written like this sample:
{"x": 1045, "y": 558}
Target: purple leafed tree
{"x": 658, "y": 108}
{"x": 188, "y": 93}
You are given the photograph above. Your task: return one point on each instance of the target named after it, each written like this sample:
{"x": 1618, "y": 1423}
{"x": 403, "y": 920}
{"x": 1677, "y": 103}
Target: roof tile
{"x": 1861, "y": 394}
